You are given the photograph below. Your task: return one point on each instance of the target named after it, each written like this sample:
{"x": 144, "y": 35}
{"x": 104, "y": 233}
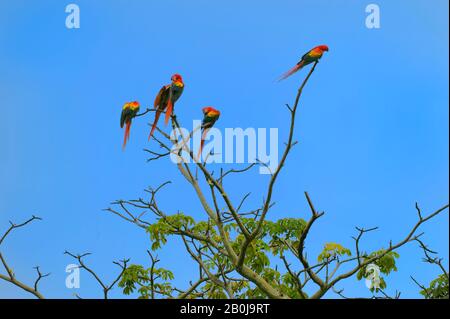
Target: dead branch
{"x": 10, "y": 276}
{"x": 105, "y": 287}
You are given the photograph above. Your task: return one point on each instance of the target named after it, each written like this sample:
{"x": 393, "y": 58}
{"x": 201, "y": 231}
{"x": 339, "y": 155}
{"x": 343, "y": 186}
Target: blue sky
{"x": 372, "y": 125}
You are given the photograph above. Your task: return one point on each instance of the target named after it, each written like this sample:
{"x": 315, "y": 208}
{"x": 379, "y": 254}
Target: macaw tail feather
{"x": 157, "y": 114}
{"x": 200, "y": 149}
{"x": 127, "y": 134}
{"x": 202, "y": 142}
{"x": 168, "y": 111}
{"x": 297, "y": 67}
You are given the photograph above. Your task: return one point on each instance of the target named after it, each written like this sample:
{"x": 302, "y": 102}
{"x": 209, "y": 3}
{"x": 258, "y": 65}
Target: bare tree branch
{"x": 10, "y": 277}
{"x": 410, "y": 237}
{"x": 106, "y": 288}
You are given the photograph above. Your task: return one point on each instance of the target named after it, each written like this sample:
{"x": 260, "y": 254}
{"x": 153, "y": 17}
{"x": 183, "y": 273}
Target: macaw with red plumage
{"x": 312, "y": 56}
{"x": 210, "y": 117}
{"x": 129, "y": 111}
{"x": 166, "y": 99}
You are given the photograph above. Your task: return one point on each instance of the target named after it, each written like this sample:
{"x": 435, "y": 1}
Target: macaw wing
{"x": 158, "y": 97}
{"x": 309, "y": 57}
{"x": 127, "y": 114}
{"x": 208, "y": 121}
{"x": 312, "y": 56}
{"x": 176, "y": 92}
{"x": 162, "y": 97}
{"x": 305, "y": 56}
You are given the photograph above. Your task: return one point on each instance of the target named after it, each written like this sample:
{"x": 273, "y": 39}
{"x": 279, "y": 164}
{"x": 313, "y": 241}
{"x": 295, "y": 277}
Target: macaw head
{"x": 323, "y": 47}
{"x": 131, "y": 105}
{"x": 134, "y": 105}
{"x": 177, "y": 78}
{"x": 210, "y": 111}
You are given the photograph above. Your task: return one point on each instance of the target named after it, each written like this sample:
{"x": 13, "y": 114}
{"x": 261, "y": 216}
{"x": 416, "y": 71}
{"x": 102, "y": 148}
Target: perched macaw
{"x": 166, "y": 99}
{"x": 129, "y": 111}
{"x": 210, "y": 116}
{"x": 312, "y": 56}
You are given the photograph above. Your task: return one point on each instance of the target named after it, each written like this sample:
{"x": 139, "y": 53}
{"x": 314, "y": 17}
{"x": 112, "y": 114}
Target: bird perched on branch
{"x": 129, "y": 111}
{"x": 210, "y": 116}
{"x": 312, "y": 56}
{"x": 166, "y": 99}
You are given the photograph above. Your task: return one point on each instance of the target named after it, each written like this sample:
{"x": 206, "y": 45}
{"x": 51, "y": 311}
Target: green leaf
{"x": 332, "y": 250}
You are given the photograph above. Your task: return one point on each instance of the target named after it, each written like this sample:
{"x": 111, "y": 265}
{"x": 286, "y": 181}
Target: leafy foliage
{"x": 333, "y": 250}
{"x": 168, "y": 225}
{"x": 386, "y": 265}
{"x": 146, "y": 281}
{"x": 275, "y": 238}
{"x": 438, "y": 288}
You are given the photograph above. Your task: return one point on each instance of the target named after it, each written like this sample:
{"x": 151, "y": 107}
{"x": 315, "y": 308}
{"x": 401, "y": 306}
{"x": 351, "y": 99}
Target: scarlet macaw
{"x": 166, "y": 98}
{"x": 210, "y": 116}
{"x": 312, "y": 56}
{"x": 129, "y": 111}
